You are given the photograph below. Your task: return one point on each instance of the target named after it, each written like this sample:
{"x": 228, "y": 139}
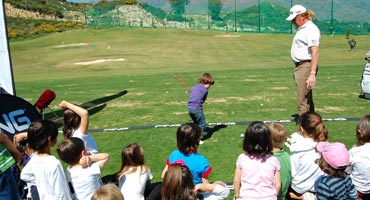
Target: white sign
{"x": 6, "y": 73}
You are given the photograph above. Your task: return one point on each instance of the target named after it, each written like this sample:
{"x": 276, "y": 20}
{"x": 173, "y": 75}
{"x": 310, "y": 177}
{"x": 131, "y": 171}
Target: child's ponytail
{"x": 71, "y": 122}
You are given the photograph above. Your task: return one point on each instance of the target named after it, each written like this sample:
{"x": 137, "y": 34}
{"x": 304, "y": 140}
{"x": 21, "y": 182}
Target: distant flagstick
{"x": 214, "y": 124}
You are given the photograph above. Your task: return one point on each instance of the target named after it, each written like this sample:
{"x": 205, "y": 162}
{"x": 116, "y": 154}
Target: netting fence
{"x": 256, "y": 16}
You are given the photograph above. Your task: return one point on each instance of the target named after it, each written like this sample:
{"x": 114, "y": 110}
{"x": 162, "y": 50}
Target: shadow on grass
{"x": 364, "y": 96}
{"x": 295, "y": 117}
{"x": 93, "y": 107}
{"x": 211, "y": 131}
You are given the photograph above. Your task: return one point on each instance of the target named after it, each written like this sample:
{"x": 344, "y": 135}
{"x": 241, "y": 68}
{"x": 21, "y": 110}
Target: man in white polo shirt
{"x": 305, "y": 55}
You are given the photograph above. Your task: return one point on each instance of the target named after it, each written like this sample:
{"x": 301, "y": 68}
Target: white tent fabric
{"x": 6, "y": 73}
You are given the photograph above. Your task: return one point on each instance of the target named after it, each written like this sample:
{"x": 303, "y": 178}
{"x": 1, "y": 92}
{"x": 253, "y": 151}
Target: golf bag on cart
{"x": 365, "y": 80}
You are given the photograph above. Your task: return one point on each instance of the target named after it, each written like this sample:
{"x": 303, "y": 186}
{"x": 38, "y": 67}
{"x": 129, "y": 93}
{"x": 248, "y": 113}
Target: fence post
{"x": 235, "y": 15}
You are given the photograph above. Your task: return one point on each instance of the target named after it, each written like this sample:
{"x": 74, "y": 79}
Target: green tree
{"x": 178, "y": 6}
{"x": 214, "y": 7}
{"x": 103, "y": 1}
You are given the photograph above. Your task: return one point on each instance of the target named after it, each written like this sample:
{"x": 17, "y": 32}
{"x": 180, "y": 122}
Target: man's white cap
{"x": 296, "y": 10}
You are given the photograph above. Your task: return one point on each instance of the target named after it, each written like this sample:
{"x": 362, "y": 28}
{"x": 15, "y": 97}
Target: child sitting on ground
{"x": 303, "y": 155}
{"x": 109, "y": 191}
{"x": 134, "y": 176}
{"x": 336, "y": 184}
{"x": 359, "y": 163}
{"x": 257, "y": 173}
{"x": 188, "y": 137}
{"x": 76, "y": 124}
{"x": 197, "y": 97}
{"x": 278, "y": 136}
{"x": 83, "y": 169}
{"x": 43, "y": 167}
{"x": 178, "y": 183}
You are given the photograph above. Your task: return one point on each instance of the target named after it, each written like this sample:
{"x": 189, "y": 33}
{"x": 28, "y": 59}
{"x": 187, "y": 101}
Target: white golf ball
{"x": 242, "y": 135}
{"x": 261, "y": 104}
{"x": 167, "y": 92}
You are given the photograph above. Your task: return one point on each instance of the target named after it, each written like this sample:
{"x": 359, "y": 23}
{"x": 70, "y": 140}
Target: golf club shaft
{"x": 182, "y": 83}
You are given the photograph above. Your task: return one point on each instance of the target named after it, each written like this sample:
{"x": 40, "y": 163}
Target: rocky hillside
{"x": 135, "y": 15}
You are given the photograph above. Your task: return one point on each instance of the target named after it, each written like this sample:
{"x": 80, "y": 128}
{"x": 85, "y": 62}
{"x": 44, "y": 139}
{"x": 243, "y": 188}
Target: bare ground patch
{"x": 219, "y": 113}
{"x": 256, "y": 98}
{"x": 217, "y": 100}
{"x": 275, "y": 109}
{"x": 251, "y": 98}
{"x": 71, "y": 45}
{"x": 180, "y": 113}
{"x": 146, "y": 117}
{"x": 238, "y": 98}
{"x": 99, "y": 61}
{"x": 177, "y": 103}
{"x": 251, "y": 80}
{"x": 341, "y": 94}
{"x": 228, "y": 36}
{"x": 125, "y": 105}
{"x": 279, "y": 88}
{"x": 328, "y": 109}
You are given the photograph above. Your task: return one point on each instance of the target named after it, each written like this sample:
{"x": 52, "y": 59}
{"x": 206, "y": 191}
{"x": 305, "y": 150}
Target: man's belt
{"x": 301, "y": 62}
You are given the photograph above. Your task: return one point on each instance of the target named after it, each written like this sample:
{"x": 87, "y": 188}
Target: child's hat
{"x": 335, "y": 154}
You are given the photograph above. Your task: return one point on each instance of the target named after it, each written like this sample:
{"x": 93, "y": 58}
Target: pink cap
{"x": 335, "y": 154}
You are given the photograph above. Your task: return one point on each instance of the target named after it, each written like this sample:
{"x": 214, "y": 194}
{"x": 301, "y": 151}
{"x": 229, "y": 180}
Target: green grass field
{"x": 253, "y": 74}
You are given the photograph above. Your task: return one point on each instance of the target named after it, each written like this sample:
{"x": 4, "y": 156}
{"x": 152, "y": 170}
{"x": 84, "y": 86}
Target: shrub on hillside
{"x": 26, "y": 27}
{"x": 49, "y": 7}
{"x": 116, "y": 2}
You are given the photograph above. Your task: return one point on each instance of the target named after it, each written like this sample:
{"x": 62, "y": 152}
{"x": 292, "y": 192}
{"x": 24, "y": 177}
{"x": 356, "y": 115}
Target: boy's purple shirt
{"x": 198, "y": 95}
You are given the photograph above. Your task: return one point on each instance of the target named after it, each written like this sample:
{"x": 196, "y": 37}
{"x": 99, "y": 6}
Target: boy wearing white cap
{"x": 336, "y": 184}
{"x": 305, "y": 55}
